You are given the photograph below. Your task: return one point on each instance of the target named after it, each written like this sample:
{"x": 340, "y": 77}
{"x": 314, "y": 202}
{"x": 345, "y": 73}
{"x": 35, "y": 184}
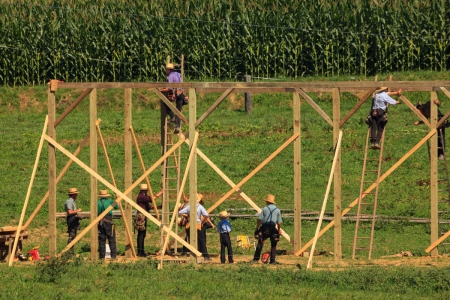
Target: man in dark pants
{"x": 106, "y": 228}
{"x": 425, "y": 110}
{"x": 73, "y": 221}
{"x": 270, "y": 219}
{"x": 380, "y": 100}
{"x": 201, "y": 234}
{"x": 174, "y": 95}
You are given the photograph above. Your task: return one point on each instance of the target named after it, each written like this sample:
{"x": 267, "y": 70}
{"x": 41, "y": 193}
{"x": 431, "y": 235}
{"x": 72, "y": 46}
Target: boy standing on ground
{"x": 224, "y": 228}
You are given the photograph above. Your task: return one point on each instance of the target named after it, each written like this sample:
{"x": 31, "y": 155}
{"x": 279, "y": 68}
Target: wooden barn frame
{"x": 298, "y": 90}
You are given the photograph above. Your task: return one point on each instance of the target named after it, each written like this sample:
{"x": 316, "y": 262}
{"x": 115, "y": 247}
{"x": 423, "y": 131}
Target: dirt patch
{"x": 27, "y": 102}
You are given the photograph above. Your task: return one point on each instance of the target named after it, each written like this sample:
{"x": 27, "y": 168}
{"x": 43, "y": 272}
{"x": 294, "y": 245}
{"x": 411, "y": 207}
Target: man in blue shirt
{"x": 201, "y": 234}
{"x": 380, "y": 99}
{"x": 270, "y": 219}
{"x": 106, "y": 228}
{"x": 73, "y": 221}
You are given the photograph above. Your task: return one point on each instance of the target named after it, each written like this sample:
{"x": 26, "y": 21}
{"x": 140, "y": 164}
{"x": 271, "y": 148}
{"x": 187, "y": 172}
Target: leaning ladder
{"x": 171, "y": 180}
{"x": 367, "y": 210}
{"x": 443, "y": 192}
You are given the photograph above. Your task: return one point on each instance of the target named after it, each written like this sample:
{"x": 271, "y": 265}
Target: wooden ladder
{"x": 443, "y": 192}
{"x": 171, "y": 180}
{"x": 367, "y": 204}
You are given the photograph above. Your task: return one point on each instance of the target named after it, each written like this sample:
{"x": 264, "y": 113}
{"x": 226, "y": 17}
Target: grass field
{"x": 236, "y": 143}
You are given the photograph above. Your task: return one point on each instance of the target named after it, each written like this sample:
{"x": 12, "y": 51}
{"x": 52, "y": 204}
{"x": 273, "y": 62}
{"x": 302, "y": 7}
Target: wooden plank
{"x": 368, "y": 190}
{"x": 315, "y": 106}
{"x": 415, "y": 110}
{"x": 434, "y": 215}
{"x": 111, "y": 175}
{"x": 93, "y": 161}
{"x": 193, "y": 168}
{"x": 443, "y": 119}
{"x": 121, "y": 195}
{"x": 128, "y": 170}
{"x": 73, "y": 105}
{"x": 437, "y": 242}
{"x": 337, "y": 135}
{"x": 27, "y": 197}
{"x": 171, "y": 106}
{"x": 446, "y": 92}
{"x": 257, "y": 169}
{"x": 297, "y": 166}
{"x": 337, "y": 152}
{"x": 362, "y": 99}
{"x": 53, "y": 85}
{"x": 52, "y": 231}
{"x": 176, "y": 207}
{"x": 141, "y": 161}
{"x": 343, "y": 85}
{"x": 213, "y": 107}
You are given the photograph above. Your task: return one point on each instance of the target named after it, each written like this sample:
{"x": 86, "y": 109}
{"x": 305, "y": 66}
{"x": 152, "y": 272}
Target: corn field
{"x": 118, "y": 40}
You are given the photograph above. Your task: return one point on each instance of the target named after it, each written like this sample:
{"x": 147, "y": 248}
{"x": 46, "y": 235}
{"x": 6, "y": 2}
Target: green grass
{"x": 236, "y": 143}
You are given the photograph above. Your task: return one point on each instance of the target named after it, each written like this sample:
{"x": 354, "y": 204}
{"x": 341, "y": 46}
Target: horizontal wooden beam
{"x": 267, "y": 86}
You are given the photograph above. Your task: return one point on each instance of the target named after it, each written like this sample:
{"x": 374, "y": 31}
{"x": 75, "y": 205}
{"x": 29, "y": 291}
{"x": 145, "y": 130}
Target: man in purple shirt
{"x": 174, "y": 95}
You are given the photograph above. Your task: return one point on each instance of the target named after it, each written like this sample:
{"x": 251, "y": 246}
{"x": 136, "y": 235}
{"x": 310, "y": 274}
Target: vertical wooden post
{"x": 128, "y": 160}
{"x": 182, "y": 67}
{"x": 193, "y": 170}
{"x": 51, "y": 105}
{"x": 93, "y": 164}
{"x": 297, "y": 177}
{"x": 434, "y": 175}
{"x": 248, "y": 97}
{"x": 337, "y": 179}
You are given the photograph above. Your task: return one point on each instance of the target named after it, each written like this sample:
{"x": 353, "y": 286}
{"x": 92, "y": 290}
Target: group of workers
{"x": 268, "y": 225}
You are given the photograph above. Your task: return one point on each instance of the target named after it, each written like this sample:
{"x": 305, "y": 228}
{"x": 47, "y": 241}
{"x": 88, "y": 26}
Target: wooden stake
{"x": 108, "y": 163}
{"x": 175, "y": 209}
{"x": 324, "y": 204}
{"x": 138, "y": 151}
{"x": 24, "y": 209}
{"x": 382, "y": 177}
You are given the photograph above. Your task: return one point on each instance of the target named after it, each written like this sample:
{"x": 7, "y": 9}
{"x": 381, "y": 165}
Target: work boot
{"x": 376, "y": 146}
{"x": 441, "y": 157}
{"x": 177, "y": 130}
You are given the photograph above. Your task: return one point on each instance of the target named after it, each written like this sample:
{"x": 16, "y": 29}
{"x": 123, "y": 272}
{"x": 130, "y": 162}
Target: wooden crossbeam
{"x": 213, "y": 107}
{"x": 171, "y": 106}
{"x": 315, "y": 106}
{"x": 382, "y": 177}
{"x": 73, "y": 105}
{"x": 361, "y": 101}
{"x": 257, "y": 169}
{"x": 437, "y": 242}
{"x": 415, "y": 111}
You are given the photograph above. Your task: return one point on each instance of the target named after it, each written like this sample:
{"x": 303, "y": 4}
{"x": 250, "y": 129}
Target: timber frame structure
{"x": 298, "y": 91}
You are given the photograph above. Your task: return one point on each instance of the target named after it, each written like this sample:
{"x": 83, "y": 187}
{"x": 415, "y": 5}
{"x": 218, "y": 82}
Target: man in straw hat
{"x": 381, "y": 98}
{"x": 270, "y": 219}
{"x": 174, "y": 95}
{"x": 73, "y": 221}
{"x": 202, "y": 217}
{"x": 106, "y": 226}
{"x": 224, "y": 229}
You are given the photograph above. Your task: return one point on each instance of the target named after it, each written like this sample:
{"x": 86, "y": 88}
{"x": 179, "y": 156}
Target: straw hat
{"x": 224, "y": 214}
{"x": 144, "y": 187}
{"x": 199, "y": 198}
{"x": 73, "y": 191}
{"x": 380, "y": 89}
{"x": 104, "y": 194}
{"x": 270, "y": 199}
{"x": 169, "y": 66}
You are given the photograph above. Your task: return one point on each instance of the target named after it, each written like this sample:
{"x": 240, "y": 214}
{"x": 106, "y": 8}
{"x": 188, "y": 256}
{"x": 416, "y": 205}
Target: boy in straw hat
{"x": 106, "y": 226}
{"x": 381, "y": 98}
{"x": 270, "y": 219}
{"x": 224, "y": 229}
{"x": 173, "y": 95}
{"x": 73, "y": 221}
